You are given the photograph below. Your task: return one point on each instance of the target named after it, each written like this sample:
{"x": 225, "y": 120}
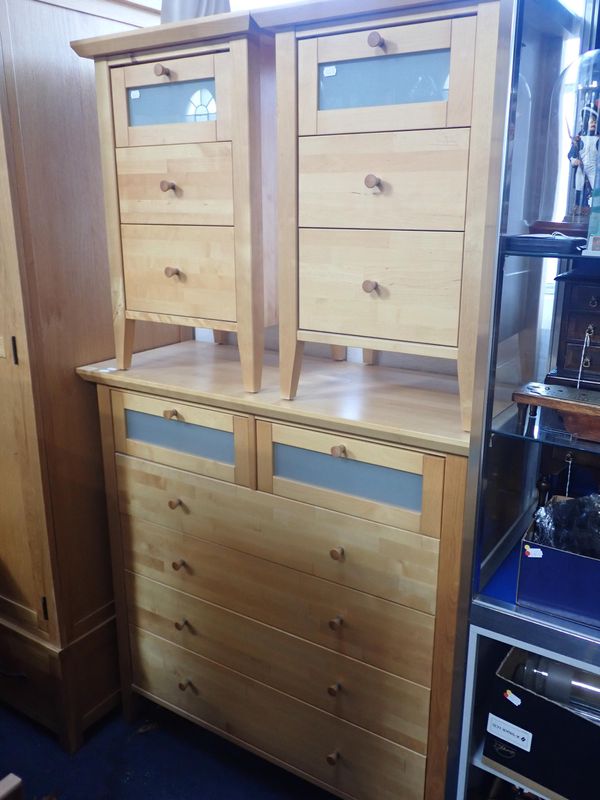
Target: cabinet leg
{"x": 370, "y": 357}
{"x": 339, "y": 352}
{"x": 290, "y": 364}
{"x": 124, "y": 334}
{"x": 251, "y": 345}
{"x": 220, "y": 337}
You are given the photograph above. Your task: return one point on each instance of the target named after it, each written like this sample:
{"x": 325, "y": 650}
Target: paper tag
{"x": 329, "y": 72}
{"x": 134, "y": 94}
{"x": 511, "y": 697}
{"x": 509, "y": 733}
{"x": 533, "y": 552}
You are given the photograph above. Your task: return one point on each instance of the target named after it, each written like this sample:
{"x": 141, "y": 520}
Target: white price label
{"x": 134, "y": 94}
{"x": 509, "y": 733}
{"x": 329, "y": 72}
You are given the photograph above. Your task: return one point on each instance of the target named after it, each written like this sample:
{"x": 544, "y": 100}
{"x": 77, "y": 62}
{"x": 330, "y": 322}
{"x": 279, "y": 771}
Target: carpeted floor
{"x": 160, "y": 757}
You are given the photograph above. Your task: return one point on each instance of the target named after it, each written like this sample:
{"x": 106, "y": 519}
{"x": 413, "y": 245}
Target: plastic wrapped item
{"x": 571, "y": 524}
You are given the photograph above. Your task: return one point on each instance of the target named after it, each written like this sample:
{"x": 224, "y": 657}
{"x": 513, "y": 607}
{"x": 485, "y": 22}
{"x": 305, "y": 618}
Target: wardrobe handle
{"x": 177, "y": 565}
{"x": 586, "y": 363}
{"x": 337, "y": 553}
{"x": 339, "y": 451}
{"x": 336, "y": 623}
{"x": 372, "y": 182}
{"x": 180, "y": 625}
{"x": 173, "y": 272}
{"x": 370, "y": 286}
{"x": 183, "y": 685}
{"x": 160, "y": 69}
{"x": 374, "y": 39}
{"x": 333, "y": 758}
{"x": 171, "y": 413}
{"x": 334, "y": 689}
{"x": 173, "y": 504}
{"x": 166, "y": 186}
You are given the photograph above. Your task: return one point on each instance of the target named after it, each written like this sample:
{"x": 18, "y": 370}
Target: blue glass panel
{"x": 381, "y": 484}
{"x": 385, "y": 80}
{"x": 181, "y": 436}
{"x": 166, "y": 103}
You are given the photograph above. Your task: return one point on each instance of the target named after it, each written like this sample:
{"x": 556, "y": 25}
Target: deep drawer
{"x": 320, "y": 745}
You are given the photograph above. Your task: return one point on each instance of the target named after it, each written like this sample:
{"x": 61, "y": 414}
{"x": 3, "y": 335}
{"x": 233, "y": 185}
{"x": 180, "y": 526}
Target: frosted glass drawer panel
{"x": 173, "y": 101}
{"x": 359, "y": 477}
{"x": 403, "y": 77}
{"x": 202, "y": 440}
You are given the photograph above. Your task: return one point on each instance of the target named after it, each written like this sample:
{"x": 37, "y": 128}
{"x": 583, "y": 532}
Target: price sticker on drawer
{"x": 329, "y": 71}
{"x": 134, "y": 94}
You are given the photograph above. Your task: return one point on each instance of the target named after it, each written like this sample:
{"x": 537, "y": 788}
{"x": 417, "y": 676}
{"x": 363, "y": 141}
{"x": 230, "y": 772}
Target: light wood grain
{"x": 390, "y": 345}
{"x": 369, "y": 767}
{"x": 175, "y": 319}
{"x": 423, "y": 180}
{"x": 371, "y": 698}
{"x": 308, "y": 86}
{"x": 224, "y": 93}
{"x": 381, "y": 633}
{"x": 396, "y": 565}
{"x": 413, "y": 38}
{"x": 417, "y": 276}
{"x": 201, "y": 172}
{"x": 264, "y": 455}
{"x": 244, "y": 436}
{"x": 462, "y": 57}
{"x": 205, "y": 285}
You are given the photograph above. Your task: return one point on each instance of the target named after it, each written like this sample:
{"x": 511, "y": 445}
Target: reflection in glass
{"x": 168, "y": 103}
{"x": 385, "y": 80}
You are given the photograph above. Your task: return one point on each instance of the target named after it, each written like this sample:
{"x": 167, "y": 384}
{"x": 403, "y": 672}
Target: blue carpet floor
{"x": 159, "y": 757}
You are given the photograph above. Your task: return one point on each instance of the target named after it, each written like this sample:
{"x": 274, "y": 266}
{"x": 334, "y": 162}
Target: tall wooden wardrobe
{"x": 57, "y": 643}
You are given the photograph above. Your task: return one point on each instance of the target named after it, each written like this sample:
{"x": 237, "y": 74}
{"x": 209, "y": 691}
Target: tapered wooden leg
{"x": 251, "y": 344}
{"x": 339, "y": 352}
{"x": 220, "y": 337}
{"x": 124, "y": 334}
{"x": 370, "y": 357}
{"x": 290, "y": 364}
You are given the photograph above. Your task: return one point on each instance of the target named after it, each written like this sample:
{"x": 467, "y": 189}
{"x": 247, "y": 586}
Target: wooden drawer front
{"x": 349, "y": 689}
{"x": 286, "y": 729}
{"x": 585, "y": 297}
{"x": 422, "y": 180}
{"x": 380, "y": 633}
{"x": 402, "y": 285}
{"x": 418, "y": 76}
{"x": 200, "y": 439}
{"x": 390, "y": 563}
{"x": 380, "y": 482}
{"x": 578, "y": 324}
{"x": 591, "y": 360}
{"x": 204, "y": 282}
{"x": 200, "y": 173}
{"x": 189, "y": 102}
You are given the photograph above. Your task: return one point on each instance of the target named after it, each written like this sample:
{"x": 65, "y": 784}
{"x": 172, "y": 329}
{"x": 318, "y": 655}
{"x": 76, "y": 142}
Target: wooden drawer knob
{"x": 171, "y": 413}
{"x": 339, "y": 451}
{"x": 333, "y": 758}
{"x": 183, "y": 685}
{"x": 336, "y": 623}
{"x": 173, "y": 272}
{"x": 160, "y": 69}
{"x": 173, "y": 504}
{"x": 374, "y": 39}
{"x": 334, "y": 689}
{"x": 337, "y": 553}
{"x": 371, "y": 182}
{"x": 180, "y": 624}
{"x": 177, "y": 565}
{"x": 166, "y": 186}
{"x": 370, "y": 286}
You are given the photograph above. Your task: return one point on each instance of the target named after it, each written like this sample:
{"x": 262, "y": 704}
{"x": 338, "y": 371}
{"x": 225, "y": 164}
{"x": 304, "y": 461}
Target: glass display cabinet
{"x": 535, "y": 448}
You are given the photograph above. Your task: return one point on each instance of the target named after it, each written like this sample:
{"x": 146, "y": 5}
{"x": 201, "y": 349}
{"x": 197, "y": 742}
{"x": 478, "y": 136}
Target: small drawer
{"x": 402, "y": 77}
{"x": 372, "y": 180}
{"x": 400, "y": 285}
{"x": 203, "y": 440}
{"x": 180, "y": 270}
{"x": 347, "y": 758}
{"x": 383, "y": 634}
{"x": 585, "y": 297}
{"x": 366, "y": 479}
{"x": 366, "y": 696}
{"x": 184, "y": 184}
{"x": 173, "y": 101}
{"x": 579, "y": 324}
{"x": 590, "y": 366}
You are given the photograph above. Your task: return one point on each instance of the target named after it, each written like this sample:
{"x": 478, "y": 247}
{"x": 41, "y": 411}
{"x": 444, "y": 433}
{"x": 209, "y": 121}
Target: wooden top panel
{"x": 400, "y": 406}
{"x": 171, "y": 34}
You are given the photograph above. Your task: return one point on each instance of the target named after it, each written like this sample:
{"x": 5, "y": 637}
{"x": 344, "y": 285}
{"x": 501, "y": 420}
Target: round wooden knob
{"x": 180, "y": 624}
{"x": 334, "y": 689}
{"x": 336, "y": 623}
{"x": 173, "y": 504}
{"x": 166, "y": 186}
{"x": 177, "y": 565}
{"x": 339, "y": 451}
{"x": 370, "y": 286}
{"x": 172, "y": 272}
{"x": 333, "y": 758}
{"x": 171, "y": 413}
{"x": 337, "y": 553}
{"x": 160, "y": 69}
{"x": 371, "y": 182}
{"x": 374, "y": 39}
{"x": 587, "y": 363}
{"x": 183, "y": 685}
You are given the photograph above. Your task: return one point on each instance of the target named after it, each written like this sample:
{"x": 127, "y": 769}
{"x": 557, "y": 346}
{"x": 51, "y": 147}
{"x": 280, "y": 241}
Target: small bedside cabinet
{"x": 181, "y": 132}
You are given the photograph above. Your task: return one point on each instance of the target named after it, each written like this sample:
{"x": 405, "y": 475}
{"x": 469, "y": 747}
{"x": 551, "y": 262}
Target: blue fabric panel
{"x": 560, "y": 583}
{"x": 181, "y": 436}
{"x": 166, "y": 103}
{"x": 381, "y": 484}
{"x": 385, "y": 80}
